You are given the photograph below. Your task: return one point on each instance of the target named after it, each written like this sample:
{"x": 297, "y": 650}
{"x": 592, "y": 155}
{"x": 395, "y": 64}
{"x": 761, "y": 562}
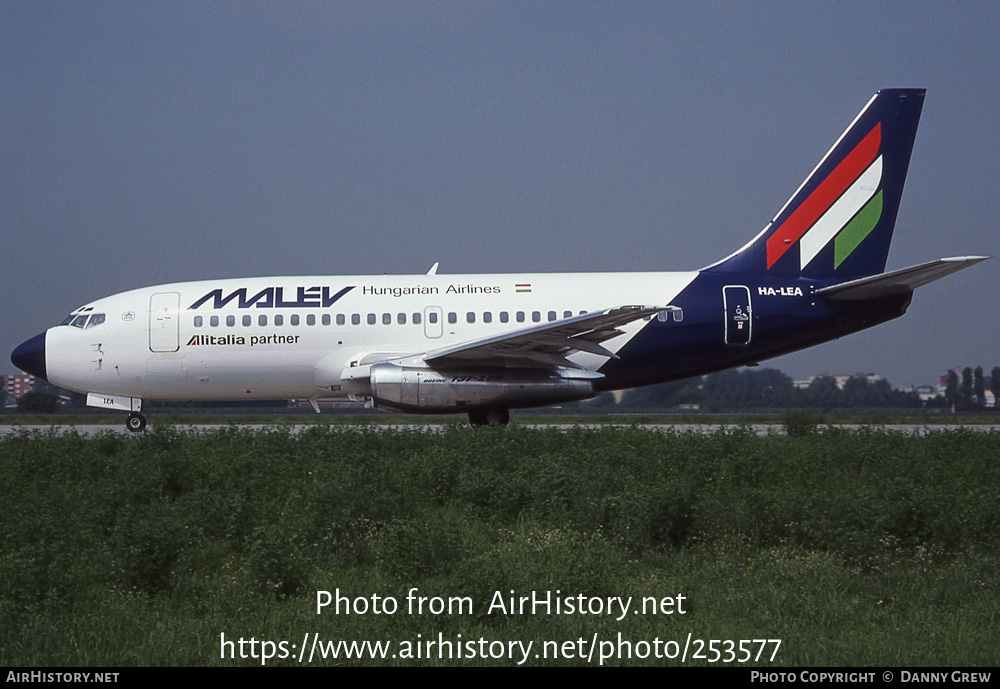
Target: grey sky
{"x": 164, "y": 141}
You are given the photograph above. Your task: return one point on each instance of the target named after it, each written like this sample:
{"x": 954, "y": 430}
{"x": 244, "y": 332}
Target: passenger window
{"x": 487, "y": 316}
{"x": 230, "y": 321}
{"x": 197, "y": 321}
{"x": 416, "y": 318}
{"x": 520, "y": 316}
{"x": 214, "y": 321}
{"x": 401, "y": 318}
{"x": 452, "y": 317}
{"x": 470, "y": 317}
{"x": 279, "y": 319}
{"x": 355, "y": 319}
{"x": 504, "y": 317}
{"x": 386, "y": 319}
{"x": 432, "y": 317}
{"x": 311, "y": 319}
{"x": 678, "y": 315}
{"x": 294, "y": 319}
{"x": 371, "y": 319}
{"x": 341, "y": 319}
{"x": 262, "y": 319}
{"x": 552, "y": 315}
{"x": 567, "y": 314}
{"x": 326, "y": 319}
{"x": 536, "y": 317}
{"x": 247, "y": 321}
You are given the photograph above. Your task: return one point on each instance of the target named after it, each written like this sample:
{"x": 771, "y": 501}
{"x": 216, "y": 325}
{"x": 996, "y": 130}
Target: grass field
{"x": 852, "y": 547}
{"x": 521, "y": 417}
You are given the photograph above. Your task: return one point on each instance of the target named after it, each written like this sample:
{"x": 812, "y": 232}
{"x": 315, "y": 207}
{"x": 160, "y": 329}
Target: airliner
{"x": 485, "y": 344}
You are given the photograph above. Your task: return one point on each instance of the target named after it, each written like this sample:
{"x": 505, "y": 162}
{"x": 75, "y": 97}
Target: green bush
{"x": 186, "y": 534}
{"x": 798, "y": 424}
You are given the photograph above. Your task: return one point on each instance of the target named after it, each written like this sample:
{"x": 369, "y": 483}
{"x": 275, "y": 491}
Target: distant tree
{"x": 881, "y": 394}
{"x": 823, "y": 392}
{"x": 664, "y": 395}
{"x": 751, "y": 387}
{"x": 995, "y": 387}
{"x": 776, "y": 388}
{"x": 965, "y": 389}
{"x": 979, "y": 387}
{"x": 936, "y": 402}
{"x": 37, "y": 402}
{"x": 856, "y": 392}
{"x": 951, "y": 392}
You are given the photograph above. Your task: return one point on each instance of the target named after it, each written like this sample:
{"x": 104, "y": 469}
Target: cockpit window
{"x": 78, "y": 319}
{"x": 84, "y": 319}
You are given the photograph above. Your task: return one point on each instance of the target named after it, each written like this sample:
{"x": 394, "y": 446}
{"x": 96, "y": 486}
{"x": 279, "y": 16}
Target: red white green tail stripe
{"x": 844, "y": 208}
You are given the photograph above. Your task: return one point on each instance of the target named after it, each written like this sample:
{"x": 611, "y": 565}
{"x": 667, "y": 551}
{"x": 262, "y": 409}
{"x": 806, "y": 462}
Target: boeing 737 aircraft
{"x": 486, "y": 344}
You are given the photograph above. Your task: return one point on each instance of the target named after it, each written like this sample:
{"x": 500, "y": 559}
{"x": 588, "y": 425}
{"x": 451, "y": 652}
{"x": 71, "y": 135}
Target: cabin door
{"x": 738, "y": 314}
{"x": 164, "y": 322}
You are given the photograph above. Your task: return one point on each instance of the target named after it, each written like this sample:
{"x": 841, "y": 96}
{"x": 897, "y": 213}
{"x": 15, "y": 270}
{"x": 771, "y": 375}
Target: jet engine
{"x": 421, "y": 389}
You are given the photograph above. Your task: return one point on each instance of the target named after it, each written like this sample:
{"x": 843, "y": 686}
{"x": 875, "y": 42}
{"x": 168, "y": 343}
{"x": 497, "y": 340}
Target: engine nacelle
{"x": 420, "y": 389}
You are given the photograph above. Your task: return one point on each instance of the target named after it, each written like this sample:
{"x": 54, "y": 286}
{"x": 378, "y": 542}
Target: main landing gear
{"x": 489, "y": 417}
{"x": 135, "y": 422}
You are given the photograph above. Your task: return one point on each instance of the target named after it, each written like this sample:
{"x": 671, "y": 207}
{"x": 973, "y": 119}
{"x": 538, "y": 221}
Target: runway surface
{"x": 706, "y": 428}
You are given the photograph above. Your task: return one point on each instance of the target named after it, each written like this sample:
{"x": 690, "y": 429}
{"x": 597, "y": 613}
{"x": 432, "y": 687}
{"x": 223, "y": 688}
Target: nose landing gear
{"x": 135, "y": 422}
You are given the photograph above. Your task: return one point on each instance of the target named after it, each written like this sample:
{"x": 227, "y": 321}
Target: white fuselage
{"x": 293, "y": 337}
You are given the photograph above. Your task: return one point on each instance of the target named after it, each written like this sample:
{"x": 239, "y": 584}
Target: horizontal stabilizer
{"x": 898, "y": 281}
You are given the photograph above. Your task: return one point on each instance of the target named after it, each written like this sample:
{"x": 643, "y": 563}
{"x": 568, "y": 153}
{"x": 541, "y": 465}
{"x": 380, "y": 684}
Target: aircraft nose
{"x": 29, "y": 356}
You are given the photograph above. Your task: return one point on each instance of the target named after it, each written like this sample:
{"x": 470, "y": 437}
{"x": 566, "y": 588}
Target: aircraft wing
{"x": 898, "y": 281}
{"x": 546, "y": 345}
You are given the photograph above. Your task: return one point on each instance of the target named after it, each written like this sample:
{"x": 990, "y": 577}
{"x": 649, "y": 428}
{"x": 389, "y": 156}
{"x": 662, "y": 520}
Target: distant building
{"x": 840, "y": 378}
{"x": 16, "y": 385}
{"x": 943, "y": 380}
